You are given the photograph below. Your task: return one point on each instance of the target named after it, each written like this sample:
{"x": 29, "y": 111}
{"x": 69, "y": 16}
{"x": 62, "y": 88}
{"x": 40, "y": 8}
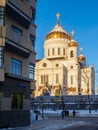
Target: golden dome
{"x": 57, "y": 32}
{"x": 81, "y": 57}
{"x": 72, "y": 43}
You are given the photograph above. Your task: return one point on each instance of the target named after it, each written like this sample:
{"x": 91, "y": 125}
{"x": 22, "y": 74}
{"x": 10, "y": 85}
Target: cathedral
{"x": 62, "y": 71}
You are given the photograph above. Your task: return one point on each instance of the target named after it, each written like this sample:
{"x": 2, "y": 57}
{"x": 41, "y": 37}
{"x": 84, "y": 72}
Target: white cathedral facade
{"x": 62, "y": 70}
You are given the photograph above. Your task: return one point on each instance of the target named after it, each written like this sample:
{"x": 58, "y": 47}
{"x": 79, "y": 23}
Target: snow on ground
{"x": 78, "y": 112}
{"x": 33, "y": 116}
{"x": 58, "y": 112}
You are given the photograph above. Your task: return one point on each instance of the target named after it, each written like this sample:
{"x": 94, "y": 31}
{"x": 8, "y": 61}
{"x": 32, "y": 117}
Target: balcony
{"x": 20, "y": 44}
{"x": 1, "y": 74}
{"x": 19, "y": 11}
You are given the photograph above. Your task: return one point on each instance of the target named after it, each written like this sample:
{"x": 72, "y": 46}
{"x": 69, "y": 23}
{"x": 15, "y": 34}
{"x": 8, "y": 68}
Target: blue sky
{"x": 78, "y": 15}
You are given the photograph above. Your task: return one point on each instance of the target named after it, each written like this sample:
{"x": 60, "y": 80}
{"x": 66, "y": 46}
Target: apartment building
{"x": 17, "y": 60}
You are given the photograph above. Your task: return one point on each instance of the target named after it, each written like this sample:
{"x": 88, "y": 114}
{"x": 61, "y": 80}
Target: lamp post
{"x": 42, "y": 106}
{"x": 62, "y": 98}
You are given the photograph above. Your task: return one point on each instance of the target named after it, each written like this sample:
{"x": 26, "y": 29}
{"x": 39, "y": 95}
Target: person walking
{"x": 62, "y": 114}
{"x": 74, "y": 113}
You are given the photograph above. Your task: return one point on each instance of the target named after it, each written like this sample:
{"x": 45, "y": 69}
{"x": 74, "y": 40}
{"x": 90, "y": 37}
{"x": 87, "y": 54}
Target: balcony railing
{"x": 20, "y": 40}
{"x": 22, "y": 6}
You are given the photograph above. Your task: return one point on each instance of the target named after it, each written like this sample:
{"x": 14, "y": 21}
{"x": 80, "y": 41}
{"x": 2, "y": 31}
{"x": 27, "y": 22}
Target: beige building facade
{"x": 17, "y": 60}
{"x": 62, "y": 70}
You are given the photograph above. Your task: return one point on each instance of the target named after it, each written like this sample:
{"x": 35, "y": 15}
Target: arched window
{"x": 58, "y": 51}
{"x": 48, "y": 52}
{"x": 52, "y": 51}
{"x": 71, "y": 54}
{"x": 57, "y": 78}
{"x": 71, "y": 79}
{"x": 63, "y": 51}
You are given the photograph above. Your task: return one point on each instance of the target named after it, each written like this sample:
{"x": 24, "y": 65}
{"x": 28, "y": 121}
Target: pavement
{"x": 53, "y": 121}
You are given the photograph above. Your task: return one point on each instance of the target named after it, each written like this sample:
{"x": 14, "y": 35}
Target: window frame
{"x": 71, "y": 53}
{"x": 31, "y": 71}
{"x": 16, "y": 103}
{"x": 16, "y": 66}
{"x": 16, "y": 30}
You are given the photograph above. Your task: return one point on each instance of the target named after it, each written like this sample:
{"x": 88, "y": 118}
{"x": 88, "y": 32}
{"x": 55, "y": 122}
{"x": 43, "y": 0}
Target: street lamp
{"x": 42, "y": 106}
{"x": 62, "y": 98}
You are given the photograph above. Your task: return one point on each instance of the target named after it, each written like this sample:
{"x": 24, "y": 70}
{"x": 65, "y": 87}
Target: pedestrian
{"x": 65, "y": 112}
{"x": 62, "y": 114}
{"x": 74, "y": 113}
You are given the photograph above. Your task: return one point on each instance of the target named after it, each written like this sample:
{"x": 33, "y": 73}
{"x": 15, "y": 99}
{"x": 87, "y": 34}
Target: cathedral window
{"x": 71, "y": 79}
{"x": 41, "y": 79}
{"x": 57, "y": 65}
{"x": 58, "y": 51}
{"x": 48, "y": 52}
{"x": 71, "y": 67}
{"x": 52, "y": 51}
{"x": 44, "y": 65}
{"x": 44, "y": 79}
{"x": 63, "y": 51}
{"x": 71, "y": 54}
{"x": 57, "y": 78}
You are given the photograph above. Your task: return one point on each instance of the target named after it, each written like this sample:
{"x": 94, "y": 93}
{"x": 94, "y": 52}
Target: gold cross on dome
{"x": 58, "y": 17}
{"x": 81, "y": 49}
{"x": 72, "y": 33}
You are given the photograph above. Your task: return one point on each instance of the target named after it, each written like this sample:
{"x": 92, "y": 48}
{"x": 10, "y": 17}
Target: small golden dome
{"x": 81, "y": 57}
{"x": 72, "y": 43}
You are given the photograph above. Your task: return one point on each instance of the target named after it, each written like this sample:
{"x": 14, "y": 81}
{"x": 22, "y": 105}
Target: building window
{"x": 32, "y": 38}
{"x": 16, "y": 66}
{"x": 44, "y": 79}
{"x": 16, "y": 30}
{"x": 52, "y": 51}
{"x": 58, "y": 51}
{"x": 17, "y": 101}
{"x": 57, "y": 78}
{"x": 71, "y": 54}
{"x": 1, "y": 16}
{"x": 71, "y": 79}
{"x": 41, "y": 79}
{"x": 57, "y": 65}
{"x": 31, "y": 71}
{"x": 63, "y": 51}
{"x": 33, "y": 15}
{"x": 44, "y": 65}
{"x": 48, "y": 52}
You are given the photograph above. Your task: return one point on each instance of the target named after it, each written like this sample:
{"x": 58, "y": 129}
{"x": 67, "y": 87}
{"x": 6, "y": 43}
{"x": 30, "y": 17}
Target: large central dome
{"x": 57, "y": 32}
